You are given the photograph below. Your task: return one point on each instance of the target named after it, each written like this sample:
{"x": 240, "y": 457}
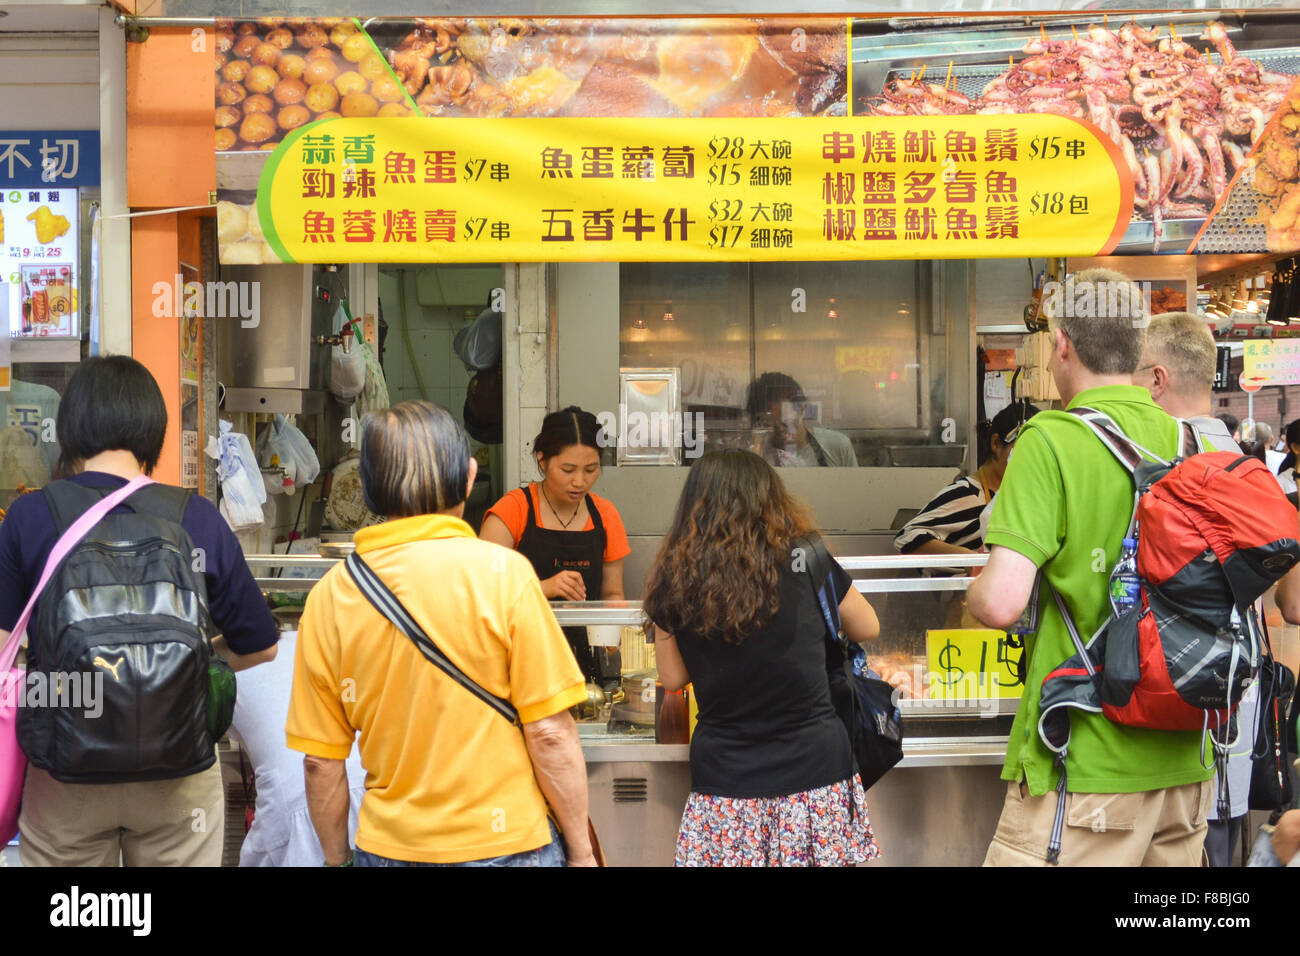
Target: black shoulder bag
{"x": 863, "y": 701}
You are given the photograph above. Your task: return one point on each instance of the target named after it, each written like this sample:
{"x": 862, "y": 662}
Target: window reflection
{"x": 811, "y": 364}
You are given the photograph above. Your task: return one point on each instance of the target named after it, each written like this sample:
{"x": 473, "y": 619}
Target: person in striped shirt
{"x": 951, "y": 522}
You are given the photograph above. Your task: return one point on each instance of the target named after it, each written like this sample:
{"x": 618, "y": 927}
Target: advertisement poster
{"x": 38, "y": 261}
{"x": 1176, "y": 105}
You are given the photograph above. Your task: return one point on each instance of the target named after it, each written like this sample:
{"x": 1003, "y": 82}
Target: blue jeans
{"x": 550, "y": 855}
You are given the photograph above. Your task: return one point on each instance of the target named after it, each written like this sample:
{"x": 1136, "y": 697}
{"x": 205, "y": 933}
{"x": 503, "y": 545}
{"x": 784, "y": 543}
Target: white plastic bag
{"x": 287, "y": 448}
{"x": 375, "y": 395}
{"x": 242, "y": 491}
{"x": 347, "y": 369}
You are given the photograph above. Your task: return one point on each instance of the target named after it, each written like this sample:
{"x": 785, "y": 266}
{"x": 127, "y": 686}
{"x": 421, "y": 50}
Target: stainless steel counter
{"x": 938, "y": 807}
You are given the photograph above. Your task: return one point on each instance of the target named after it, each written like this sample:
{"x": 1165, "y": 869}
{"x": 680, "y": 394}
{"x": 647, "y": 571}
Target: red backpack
{"x": 1214, "y": 532}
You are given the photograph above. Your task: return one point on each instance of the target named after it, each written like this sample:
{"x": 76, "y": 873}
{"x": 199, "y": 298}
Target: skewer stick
{"x": 921, "y": 75}
{"x": 1075, "y": 32}
{"x": 948, "y": 78}
{"x": 1011, "y": 60}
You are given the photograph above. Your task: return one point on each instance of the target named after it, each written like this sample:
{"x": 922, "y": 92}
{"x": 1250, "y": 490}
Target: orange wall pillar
{"x": 170, "y": 163}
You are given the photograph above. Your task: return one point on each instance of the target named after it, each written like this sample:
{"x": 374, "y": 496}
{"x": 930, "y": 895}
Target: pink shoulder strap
{"x": 70, "y": 539}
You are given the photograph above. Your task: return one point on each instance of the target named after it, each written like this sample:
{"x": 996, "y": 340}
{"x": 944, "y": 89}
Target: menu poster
{"x": 1268, "y": 362}
{"x": 38, "y": 261}
{"x": 552, "y": 189}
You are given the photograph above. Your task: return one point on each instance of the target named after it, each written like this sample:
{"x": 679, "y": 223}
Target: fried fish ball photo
{"x": 225, "y": 140}
{"x": 262, "y": 79}
{"x": 254, "y": 223}
{"x": 372, "y": 66}
{"x": 355, "y": 47}
{"x": 280, "y": 37}
{"x": 259, "y": 103}
{"x": 388, "y": 90}
{"x": 231, "y": 93}
{"x": 351, "y": 82}
{"x": 244, "y": 253}
{"x": 291, "y": 66}
{"x": 312, "y": 36}
{"x": 394, "y": 109}
{"x": 329, "y": 115}
{"x": 257, "y": 128}
{"x": 291, "y": 117}
{"x": 319, "y": 53}
{"x": 236, "y": 71}
{"x": 226, "y": 116}
{"x": 266, "y": 54}
{"x": 339, "y": 33}
{"x": 245, "y": 45}
{"x": 321, "y": 97}
{"x": 320, "y": 71}
{"x": 224, "y": 41}
{"x": 219, "y": 60}
{"x": 290, "y": 91}
{"x": 359, "y": 104}
{"x": 246, "y": 28}
{"x": 232, "y": 222}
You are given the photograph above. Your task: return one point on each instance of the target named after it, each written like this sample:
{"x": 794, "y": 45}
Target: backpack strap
{"x": 1191, "y": 438}
{"x": 1126, "y": 451}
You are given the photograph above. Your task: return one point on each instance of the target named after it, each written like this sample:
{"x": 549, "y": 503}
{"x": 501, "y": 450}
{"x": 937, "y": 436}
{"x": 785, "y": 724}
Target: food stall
{"x": 665, "y": 210}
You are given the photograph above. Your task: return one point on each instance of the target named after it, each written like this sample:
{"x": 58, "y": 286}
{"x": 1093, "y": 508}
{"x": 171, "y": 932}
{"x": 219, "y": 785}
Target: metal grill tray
{"x": 1234, "y": 227}
{"x": 1176, "y": 234}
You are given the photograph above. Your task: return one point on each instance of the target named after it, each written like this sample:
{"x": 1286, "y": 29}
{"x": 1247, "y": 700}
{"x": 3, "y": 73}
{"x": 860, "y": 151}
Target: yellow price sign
{"x": 972, "y": 665}
{"x": 612, "y": 189}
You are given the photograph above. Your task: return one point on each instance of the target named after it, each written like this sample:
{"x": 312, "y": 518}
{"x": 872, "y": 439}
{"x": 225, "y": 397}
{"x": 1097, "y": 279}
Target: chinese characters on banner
{"x": 49, "y": 158}
{"x": 418, "y": 190}
{"x": 1271, "y": 362}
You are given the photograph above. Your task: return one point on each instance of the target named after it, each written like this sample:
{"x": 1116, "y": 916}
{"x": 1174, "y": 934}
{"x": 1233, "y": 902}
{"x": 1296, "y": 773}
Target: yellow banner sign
{"x": 492, "y": 190}
{"x": 972, "y": 664}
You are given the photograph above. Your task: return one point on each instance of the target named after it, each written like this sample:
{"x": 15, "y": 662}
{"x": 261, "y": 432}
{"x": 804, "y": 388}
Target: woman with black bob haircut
{"x": 574, "y": 538}
{"x": 111, "y": 403}
{"x": 112, "y": 423}
{"x": 731, "y": 603}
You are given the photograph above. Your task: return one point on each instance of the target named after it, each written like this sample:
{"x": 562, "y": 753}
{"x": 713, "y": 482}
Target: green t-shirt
{"x": 1065, "y": 504}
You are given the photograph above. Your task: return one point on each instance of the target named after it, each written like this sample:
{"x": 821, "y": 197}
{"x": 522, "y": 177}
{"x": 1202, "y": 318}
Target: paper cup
{"x": 604, "y": 635}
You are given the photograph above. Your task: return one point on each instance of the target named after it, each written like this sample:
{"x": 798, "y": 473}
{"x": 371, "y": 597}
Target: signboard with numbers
{"x": 361, "y": 190}
{"x": 1270, "y": 362}
{"x": 38, "y": 260}
{"x": 972, "y": 664}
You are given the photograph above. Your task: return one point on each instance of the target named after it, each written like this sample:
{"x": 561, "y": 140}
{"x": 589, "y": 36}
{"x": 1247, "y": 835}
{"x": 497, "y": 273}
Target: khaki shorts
{"x": 177, "y": 822}
{"x": 1152, "y": 828}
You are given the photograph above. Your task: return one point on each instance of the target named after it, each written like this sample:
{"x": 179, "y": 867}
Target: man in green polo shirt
{"x": 1136, "y": 797}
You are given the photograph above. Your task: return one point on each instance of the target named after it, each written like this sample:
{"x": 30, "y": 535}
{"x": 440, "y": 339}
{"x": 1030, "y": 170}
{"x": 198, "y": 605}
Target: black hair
{"x": 1231, "y": 421}
{"x": 1254, "y": 448}
{"x": 112, "y": 403}
{"x": 1003, "y": 424}
{"x": 414, "y": 460}
{"x": 1292, "y": 438}
{"x": 769, "y": 387}
{"x": 569, "y": 426}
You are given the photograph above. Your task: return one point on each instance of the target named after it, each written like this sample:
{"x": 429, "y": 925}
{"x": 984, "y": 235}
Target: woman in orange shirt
{"x": 574, "y": 539}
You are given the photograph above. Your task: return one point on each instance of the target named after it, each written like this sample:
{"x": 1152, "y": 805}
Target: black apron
{"x": 552, "y": 551}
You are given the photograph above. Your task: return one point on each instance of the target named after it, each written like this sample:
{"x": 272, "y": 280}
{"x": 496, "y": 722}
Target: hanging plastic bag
{"x": 288, "y": 449}
{"x": 347, "y": 366}
{"x": 375, "y": 395}
{"x": 242, "y": 491}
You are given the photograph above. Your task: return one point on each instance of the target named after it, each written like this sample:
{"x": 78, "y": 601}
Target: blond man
{"x": 1132, "y": 797}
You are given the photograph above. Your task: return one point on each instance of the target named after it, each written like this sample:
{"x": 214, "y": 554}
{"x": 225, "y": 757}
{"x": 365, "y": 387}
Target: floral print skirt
{"x": 828, "y": 826}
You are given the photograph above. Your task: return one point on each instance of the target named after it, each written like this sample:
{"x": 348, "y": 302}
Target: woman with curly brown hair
{"x": 733, "y": 611}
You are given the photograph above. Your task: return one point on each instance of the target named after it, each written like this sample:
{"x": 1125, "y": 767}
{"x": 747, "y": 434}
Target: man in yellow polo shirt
{"x": 448, "y": 779}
